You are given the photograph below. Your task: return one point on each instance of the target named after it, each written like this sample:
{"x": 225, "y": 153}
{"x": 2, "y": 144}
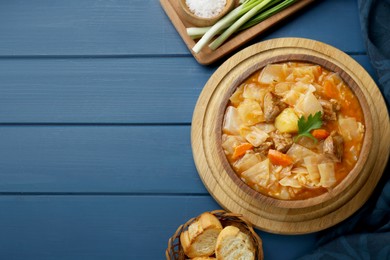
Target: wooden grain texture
{"x": 92, "y": 155}
{"x": 110, "y": 227}
{"x": 277, "y": 216}
{"x": 104, "y": 91}
{"x": 206, "y": 55}
{"x": 140, "y": 27}
{"x": 184, "y": 11}
{"x": 92, "y": 159}
{"x": 291, "y": 54}
{"x": 142, "y": 90}
{"x": 95, "y": 158}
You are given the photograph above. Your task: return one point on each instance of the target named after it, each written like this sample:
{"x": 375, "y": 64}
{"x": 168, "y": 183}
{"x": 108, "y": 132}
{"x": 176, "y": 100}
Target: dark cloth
{"x": 366, "y": 234}
{"x": 375, "y": 24}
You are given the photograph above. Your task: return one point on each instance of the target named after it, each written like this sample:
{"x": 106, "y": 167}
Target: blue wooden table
{"x": 96, "y": 101}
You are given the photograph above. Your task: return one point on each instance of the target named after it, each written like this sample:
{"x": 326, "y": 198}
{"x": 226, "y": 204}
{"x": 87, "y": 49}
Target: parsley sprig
{"x": 306, "y": 126}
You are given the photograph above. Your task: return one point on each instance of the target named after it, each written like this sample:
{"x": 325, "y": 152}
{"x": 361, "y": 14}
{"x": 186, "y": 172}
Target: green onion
{"x": 267, "y": 13}
{"x": 236, "y": 25}
{"x": 224, "y": 23}
{"x": 249, "y": 13}
{"x": 197, "y": 32}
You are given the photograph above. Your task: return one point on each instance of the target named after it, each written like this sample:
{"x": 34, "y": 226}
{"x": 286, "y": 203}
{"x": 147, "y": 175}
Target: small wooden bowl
{"x": 176, "y": 252}
{"x": 289, "y": 216}
{"x": 202, "y": 22}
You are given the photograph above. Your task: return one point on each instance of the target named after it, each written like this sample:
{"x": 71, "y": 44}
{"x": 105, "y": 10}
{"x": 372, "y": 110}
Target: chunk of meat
{"x": 282, "y": 141}
{"x": 264, "y": 147}
{"x": 273, "y": 106}
{"x": 333, "y": 147}
{"x": 336, "y": 104}
{"x": 328, "y": 110}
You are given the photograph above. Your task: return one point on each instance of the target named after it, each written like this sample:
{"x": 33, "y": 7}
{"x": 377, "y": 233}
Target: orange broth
{"x": 349, "y": 107}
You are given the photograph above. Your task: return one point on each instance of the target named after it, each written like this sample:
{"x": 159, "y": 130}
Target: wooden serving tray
{"x": 277, "y": 216}
{"x": 208, "y": 56}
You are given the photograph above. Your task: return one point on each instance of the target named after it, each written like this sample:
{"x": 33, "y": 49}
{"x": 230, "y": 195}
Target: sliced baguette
{"x": 201, "y": 237}
{"x": 232, "y": 244}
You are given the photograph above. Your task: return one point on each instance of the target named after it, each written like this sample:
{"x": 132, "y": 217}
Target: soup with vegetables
{"x": 293, "y": 130}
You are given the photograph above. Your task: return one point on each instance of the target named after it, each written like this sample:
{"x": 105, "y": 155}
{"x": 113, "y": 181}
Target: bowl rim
{"x": 351, "y": 176}
{"x": 201, "y": 21}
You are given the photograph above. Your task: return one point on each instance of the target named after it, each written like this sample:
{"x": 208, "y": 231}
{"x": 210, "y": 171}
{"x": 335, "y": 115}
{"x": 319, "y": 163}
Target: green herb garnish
{"x": 306, "y": 126}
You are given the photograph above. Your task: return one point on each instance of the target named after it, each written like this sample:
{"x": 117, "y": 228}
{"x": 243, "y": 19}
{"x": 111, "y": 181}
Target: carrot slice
{"x": 330, "y": 89}
{"x": 320, "y": 133}
{"x": 279, "y": 158}
{"x": 241, "y": 149}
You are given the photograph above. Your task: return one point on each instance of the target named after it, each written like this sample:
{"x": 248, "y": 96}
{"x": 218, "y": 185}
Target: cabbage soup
{"x": 293, "y": 130}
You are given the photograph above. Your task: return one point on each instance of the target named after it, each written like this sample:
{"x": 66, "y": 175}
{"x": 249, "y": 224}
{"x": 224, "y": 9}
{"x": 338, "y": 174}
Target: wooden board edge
{"x": 207, "y": 56}
{"x": 352, "y": 205}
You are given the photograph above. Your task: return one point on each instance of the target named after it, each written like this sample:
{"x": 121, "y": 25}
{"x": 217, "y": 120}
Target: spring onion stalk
{"x": 224, "y": 23}
{"x": 268, "y": 13}
{"x": 237, "y": 24}
{"x": 232, "y": 22}
{"x": 198, "y": 32}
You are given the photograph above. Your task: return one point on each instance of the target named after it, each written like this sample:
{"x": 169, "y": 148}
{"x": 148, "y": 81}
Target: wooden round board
{"x": 231, "y": 194}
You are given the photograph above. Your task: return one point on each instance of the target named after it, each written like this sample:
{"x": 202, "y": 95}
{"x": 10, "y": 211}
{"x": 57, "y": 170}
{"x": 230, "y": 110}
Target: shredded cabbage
{"x": 290, "y": 182}
{"x": 246, "y": 162}
{"x": 311, "y": 164}
{"x": 308, "y": 105}
{"x": 328, "y": 178}
{"x": 259, "y": 173}
{"x": 250, "y": 112}
{"x": 271, "y": 73}
{"x": 350, "y": 128}
{"x": 229, "y": 142}
{"x": 254, "y": 135}
{"x": 298, "y": 152}
{"x": 232, "y": 121}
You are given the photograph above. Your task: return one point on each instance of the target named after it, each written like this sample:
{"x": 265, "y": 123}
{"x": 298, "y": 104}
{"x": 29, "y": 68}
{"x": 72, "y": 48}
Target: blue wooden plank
{"x": 86, "y": 27}
{"x": 111, "y": 159}
{"x": 333, "y": 22}
{"x": 110, "y": 227}
{"x": 128, "y": 90}
{"x": 91, "y": 27}
{"x": 139, "y": 90}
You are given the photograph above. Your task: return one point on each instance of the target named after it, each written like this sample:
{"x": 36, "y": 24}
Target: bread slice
{"x": 201, "y": 236}
{"x": 204, "y": 258}
{"x": 232, "y": 244}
